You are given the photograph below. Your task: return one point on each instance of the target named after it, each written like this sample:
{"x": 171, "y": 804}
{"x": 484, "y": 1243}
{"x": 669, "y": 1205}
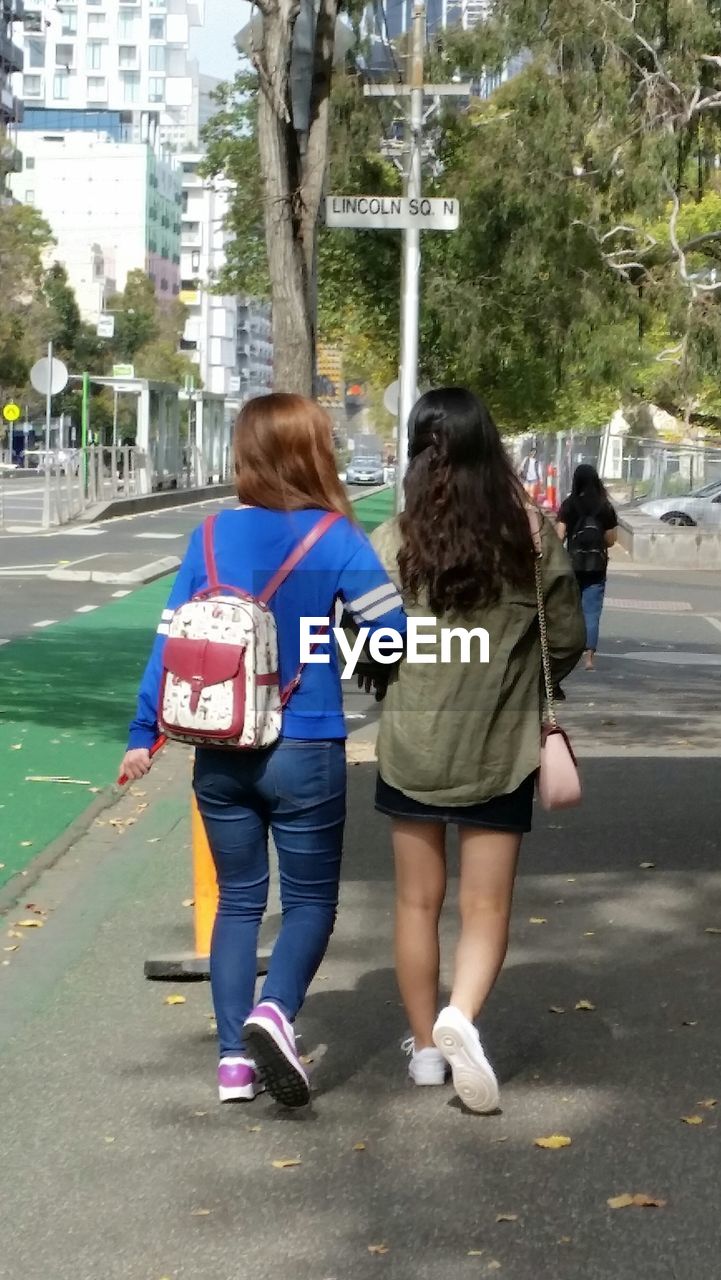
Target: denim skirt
{"x": 512, "y": 812}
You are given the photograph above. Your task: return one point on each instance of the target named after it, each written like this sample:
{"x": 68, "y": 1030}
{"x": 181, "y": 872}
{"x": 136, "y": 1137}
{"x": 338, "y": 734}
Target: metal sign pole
{"x": 48, "y": 418}
{"x": 410, "y": 300}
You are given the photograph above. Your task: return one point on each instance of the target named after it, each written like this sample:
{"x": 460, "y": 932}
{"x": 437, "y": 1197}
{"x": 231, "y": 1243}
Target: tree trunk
{"x": 293, "y": 185}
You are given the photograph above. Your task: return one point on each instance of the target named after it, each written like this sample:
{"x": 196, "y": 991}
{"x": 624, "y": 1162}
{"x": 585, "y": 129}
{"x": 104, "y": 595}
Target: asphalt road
{"x": 28, "y": 598}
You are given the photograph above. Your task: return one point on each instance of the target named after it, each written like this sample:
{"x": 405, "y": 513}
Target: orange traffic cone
{"x": 550, "y": 501}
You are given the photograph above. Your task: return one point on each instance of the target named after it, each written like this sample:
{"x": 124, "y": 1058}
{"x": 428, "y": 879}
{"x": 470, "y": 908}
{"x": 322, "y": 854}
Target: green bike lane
{"x": 66, "y": 697}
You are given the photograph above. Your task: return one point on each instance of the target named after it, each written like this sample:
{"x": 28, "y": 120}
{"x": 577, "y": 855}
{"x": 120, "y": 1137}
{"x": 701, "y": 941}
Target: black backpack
{"x": 587, "y": 546}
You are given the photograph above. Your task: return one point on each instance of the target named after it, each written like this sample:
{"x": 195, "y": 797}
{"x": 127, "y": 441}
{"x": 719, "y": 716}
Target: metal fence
{"x": 52, "y": 489}
{"x": 632, "y": 466}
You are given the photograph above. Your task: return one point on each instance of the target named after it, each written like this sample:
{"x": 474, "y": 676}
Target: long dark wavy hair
{"x": 587, "y": 490}
{"x": 464, "y": 530}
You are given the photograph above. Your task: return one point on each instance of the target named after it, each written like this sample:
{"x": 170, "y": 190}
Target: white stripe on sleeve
{"x": 364, "y": 602}
{"x": 383, "y": 606}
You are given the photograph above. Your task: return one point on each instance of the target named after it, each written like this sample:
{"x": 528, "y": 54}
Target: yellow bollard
{"x": 205, "y": 884}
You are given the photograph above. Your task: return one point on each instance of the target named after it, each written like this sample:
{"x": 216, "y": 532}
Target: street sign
{"x": 463, "y": 89}
{"x": 123, "y": 370}
{"x": 11, "y": 412}
{"x": 106, "y": 327}
{"x": 49, "y": 377}
{"x": 398, "y": 213}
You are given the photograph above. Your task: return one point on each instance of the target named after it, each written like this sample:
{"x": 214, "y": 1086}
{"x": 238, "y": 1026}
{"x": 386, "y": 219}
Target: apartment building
{"x": 11, "y": 63}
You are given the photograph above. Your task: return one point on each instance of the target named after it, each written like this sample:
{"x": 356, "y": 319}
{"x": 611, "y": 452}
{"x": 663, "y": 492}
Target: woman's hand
{"x": 136, "y": 764}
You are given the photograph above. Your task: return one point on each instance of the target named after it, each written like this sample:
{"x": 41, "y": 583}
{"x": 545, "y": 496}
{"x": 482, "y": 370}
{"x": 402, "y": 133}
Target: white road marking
{"x": 118, "y": 595}
{"x": 87, "y": 608}
{"x": 677, "y": 658}
{"x": 650, "y": 606}
{"x": 84, "y": 532}
{"x": 47, "y": 622}
{"x": 4, "y": 642}
{"x": 153, "y": 536}
{"x": 714, "y": 622}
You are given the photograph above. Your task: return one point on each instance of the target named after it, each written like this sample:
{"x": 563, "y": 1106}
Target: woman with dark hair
{"x": 459, "y": 741}
{"x": 588, "y": 524}
{"x": 296, "y": 789}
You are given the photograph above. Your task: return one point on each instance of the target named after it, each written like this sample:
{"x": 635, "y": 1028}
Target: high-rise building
{"x": 127, "y": 58}
{"x": 210, "y": 337}
{"x": 11, "y": 63}
{"x": 106, "y": 83}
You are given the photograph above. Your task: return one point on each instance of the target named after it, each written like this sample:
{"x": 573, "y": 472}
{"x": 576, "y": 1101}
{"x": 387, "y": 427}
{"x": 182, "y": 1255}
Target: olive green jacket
{"x": 459, "y": 733}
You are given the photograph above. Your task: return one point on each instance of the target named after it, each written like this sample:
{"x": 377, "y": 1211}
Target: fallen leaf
{"x": 155, "y": 840}
{"x": 494, "y": 1265}
{"x": 137, "y": 793}
{"x": 252, "y": 1128}
{"x": 558, "y": 902}
{"x": 692, "y": 1119}
{"x": 25, "y": 844}
{"x": 109, "y": 1140}
{"x": 712, "y": 929}
{"x": 689, "y": 1024}
{"x": 537, "y": 920}
{"x": 506, "y": 1217}
{"x": 708, "y": 1103}
{"x": 285, "y": 1164}
{"x": 504, "y": 1139}
{"x": 556, "y": 1008}
{"x": 200, "y": 1113}
{"x": 378, "y": 1249}
{"x": 188, "y": 902}
{"x": 570, "y": 880}
{"x": 29, "y": 924}
{"x": 13, "y": 948}
{"x": 564, "y": 1240}
{"x": 200, "y": 1213}
{"x": 306, "y": 1059}
{"x": 589, "y": 934}
{"x": 475, "y": 1253}
{"x": 174, "y": 1000}
{"x": 13, "y": 933}
{"x": 359, "y": 1146}
{"x": 554, "y": 1143}
{"x": 638, "y": 1201}
{"x": 647, "y": 866}
{"x": 585, "y": 1006}
{"x": 16, "y": 746}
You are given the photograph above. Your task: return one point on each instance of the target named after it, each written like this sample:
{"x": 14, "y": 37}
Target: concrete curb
{"x": 134, "y": 577}
{"x": 18, "y": 885}
{"x": 156, "y": 502}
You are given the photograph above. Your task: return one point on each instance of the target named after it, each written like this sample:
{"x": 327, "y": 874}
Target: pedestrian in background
{"x": 287, "y": 483}
{"x": 530, "y": 473}
{"x": 588, "y": 524}
{"x": 459, "y": 742}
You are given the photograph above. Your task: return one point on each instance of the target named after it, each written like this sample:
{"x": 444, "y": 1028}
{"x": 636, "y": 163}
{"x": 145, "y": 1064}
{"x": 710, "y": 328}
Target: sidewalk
{"x": 120, "y": 1164}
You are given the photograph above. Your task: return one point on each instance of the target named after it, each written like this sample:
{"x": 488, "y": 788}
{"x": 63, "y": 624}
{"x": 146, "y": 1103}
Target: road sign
{"x": 398, "y": 213}
{"x": 11, "y": 412}
{"x": 123, "y": 370}
{"x": 106, "y": 327}
{"x": 49, "y": 377}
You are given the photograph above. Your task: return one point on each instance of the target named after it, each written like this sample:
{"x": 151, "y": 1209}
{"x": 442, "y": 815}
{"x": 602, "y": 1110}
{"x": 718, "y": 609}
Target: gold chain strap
{"x": 545, "y": 655}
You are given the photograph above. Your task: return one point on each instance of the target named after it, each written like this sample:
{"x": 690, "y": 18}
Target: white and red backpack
{"x": 220, "y": 685}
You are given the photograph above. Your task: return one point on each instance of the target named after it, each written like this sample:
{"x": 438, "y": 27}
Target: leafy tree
{"x": 148, "y": 332}
{"x": 24, "y": 238}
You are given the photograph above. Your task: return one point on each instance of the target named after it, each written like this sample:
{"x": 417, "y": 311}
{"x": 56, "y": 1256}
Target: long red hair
{"x": 284, "y": 456}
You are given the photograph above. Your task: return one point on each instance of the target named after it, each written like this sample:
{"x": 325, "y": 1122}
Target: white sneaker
{"x": 473, "y": 1077}
{"x": 427, "y": 1066}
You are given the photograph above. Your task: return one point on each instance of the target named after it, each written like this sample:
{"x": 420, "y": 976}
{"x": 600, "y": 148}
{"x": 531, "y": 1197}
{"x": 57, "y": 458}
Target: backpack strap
{"x": 211, "y": 568}
{"x": 297, "y": 554}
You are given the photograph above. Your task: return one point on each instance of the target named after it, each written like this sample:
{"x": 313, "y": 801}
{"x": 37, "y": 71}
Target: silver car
{"x": 700, "y": 507}
{"x": 365, "y": 471}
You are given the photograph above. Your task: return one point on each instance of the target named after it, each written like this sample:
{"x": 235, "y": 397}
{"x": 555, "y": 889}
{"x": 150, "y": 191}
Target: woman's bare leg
{"x": 420, "y": 859}
{"x": 488, "y": 870}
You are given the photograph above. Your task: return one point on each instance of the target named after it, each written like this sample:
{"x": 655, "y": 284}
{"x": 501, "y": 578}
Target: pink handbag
{"x": 559, "y": 783}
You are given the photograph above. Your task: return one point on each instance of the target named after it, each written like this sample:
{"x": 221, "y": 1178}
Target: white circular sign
{"x": 49, "y": 376}
{"x": 391, "y": 398}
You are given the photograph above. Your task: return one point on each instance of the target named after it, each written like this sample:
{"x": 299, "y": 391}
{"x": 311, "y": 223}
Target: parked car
{"x": 699, "y": 507}
{"x": 368, "y": 470}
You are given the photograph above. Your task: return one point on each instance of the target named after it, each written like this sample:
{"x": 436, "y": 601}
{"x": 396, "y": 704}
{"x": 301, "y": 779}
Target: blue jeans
{"x": 592, "y": 603}
{"x": 296, "y": 790}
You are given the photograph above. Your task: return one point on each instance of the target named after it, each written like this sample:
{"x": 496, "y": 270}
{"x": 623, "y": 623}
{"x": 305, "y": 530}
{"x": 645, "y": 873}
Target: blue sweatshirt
{"x": 250, "y": 544}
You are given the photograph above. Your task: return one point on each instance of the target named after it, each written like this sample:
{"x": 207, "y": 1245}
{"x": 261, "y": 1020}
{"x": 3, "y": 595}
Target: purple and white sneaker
{"x": 238, "y": 1080}
{"x": 271, "y": 1040}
